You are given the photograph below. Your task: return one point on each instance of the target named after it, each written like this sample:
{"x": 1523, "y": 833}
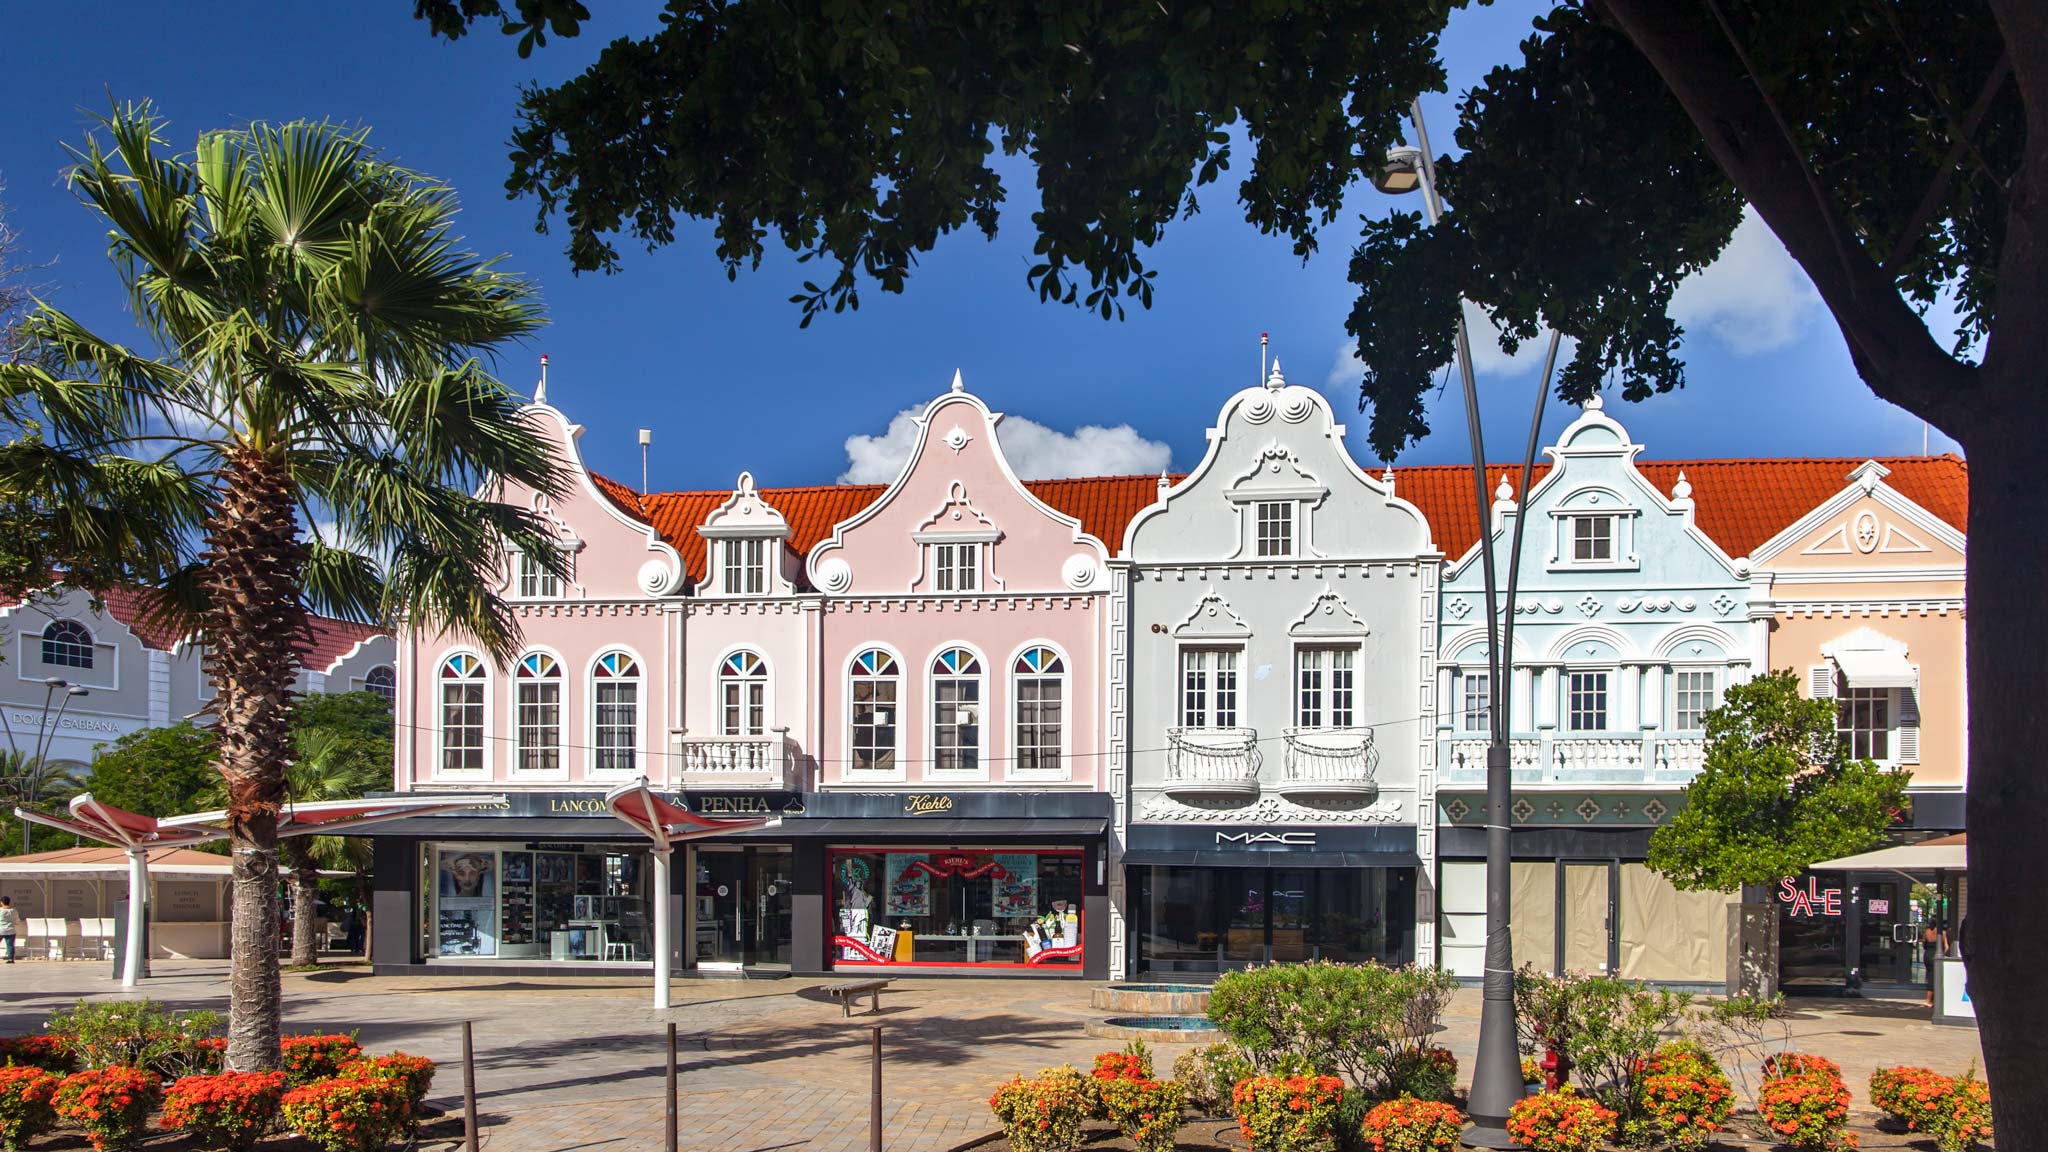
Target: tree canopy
{"x": 1778, "y": 793}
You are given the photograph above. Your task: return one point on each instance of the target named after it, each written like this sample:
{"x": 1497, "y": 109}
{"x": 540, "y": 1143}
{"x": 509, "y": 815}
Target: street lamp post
{"x": 31, "y": 768}
{"x": 1496, "y": 1076}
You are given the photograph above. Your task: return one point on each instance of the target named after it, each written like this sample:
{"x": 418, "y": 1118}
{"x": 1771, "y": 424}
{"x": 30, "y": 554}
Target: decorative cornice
{"x": 1269, "y": 810}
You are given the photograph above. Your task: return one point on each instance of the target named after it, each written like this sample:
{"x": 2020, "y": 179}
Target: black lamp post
{"x": 32, "y": 767}
{"x": 1497, "y": 1075}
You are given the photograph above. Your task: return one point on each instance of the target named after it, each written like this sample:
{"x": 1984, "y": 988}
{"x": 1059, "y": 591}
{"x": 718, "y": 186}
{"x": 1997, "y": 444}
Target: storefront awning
{"x": 1948, "y": 853}
{"x": 945, "y": 829}
{"x": 1202, "y": 859}
{"x": 1875, "y": 668}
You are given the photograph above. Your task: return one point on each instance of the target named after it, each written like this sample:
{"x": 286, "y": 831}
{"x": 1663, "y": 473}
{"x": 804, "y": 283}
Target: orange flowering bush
{"x": 1688, "y": 1105}
{"x": 111, "y": 1104}
{"x": 49, "y": 1053}
{"x": 1043, "y": 1114}
{"x": 415, "y": 1074}
{"x": 1962, "y": 1120}
{"x": 1286, "y": 1113}
{"x": 1779, "y": 1065}
{"x": 25, "y": 1111}
{"x": 1411, "y": 1125}
{"x": 1560, "y": 1121}
{"x": 1146, "y": 1111}
{"x": 1907, "y": 1094}
{"x": 231, "y": 1110}
{"x": 1807, "y": 1111}
{"x": 349, "y": 1115}
{"x": 311, "y": 1058}
{"x": 1125, "y": 1065}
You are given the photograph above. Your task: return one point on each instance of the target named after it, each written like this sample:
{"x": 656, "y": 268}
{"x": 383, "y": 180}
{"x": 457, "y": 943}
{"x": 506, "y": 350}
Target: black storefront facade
{"x": 1211, "y": 898}
{"x": 941, "y": 883}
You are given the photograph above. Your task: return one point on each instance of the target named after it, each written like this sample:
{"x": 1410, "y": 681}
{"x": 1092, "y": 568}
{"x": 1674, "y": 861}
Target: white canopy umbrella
{"x": 1941, "y": 854}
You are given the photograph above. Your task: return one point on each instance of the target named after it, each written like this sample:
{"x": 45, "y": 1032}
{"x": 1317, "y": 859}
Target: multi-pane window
{"x": 462, "y": 714}
{"x": 1325, "y": 688}
{"x": 1863, "y": 716}
{"x": 535, "y": 581}
{"x": 1208, "y": 688}
{"x": 384, "y": 682}
{"x": 1274, "y": 521}
{"x": 956, "y": 711}
{"x": 67, "y": 643}
{"x": 615, "y": 713}
{"x": 1041, "y": 691}
{"x": 956, "y": 567}
{"x": 746, "y": 567}
{"x": 1586, "y": 702}
{"x": 872, "y": 741}
{"x": 538, "y": 698}
{"x": 1693, "y": 695}
{"x": 1478, "y": 710}
{"x": 742, "y": 695}
{"x": 1592, "y": 539}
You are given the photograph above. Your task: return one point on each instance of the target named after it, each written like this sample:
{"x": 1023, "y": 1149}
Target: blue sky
{"x": 721, "y": 372}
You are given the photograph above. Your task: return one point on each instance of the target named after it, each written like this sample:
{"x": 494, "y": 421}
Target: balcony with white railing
{"x": 1212, "y": 761}
{"x": 737, "y": 763}
{"x": 1332, "y": 763}
{"x": 1589, "y": 758}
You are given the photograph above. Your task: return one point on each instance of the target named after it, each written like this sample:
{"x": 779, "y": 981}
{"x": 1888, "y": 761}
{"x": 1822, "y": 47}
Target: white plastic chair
{"x": 50, "y": 932}
{"x": 96, "y": 938}
{"x": 619, "y": 949}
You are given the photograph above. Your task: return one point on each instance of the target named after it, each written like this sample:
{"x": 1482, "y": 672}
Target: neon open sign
{"x": 1811, "y": 900}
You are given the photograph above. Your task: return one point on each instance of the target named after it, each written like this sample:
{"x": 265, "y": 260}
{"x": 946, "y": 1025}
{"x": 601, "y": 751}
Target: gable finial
{"x": 540, "y": 390}
{"x": 1504, "y": 491}
{"x": 1164, "y": 483}
{"x": 1682, "y": 490}
{"x": 1593, "y": 403}
{"x": 1276, "y": 381}
{"x": 959, "y": 385}
{"x": 1387, "y": 476}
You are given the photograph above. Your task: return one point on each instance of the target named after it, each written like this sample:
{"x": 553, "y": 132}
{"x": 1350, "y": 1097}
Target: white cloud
{"x": 1488, "y": 357}
{"x": 1035, "y": 451}
{"x": 1753, "y": 299}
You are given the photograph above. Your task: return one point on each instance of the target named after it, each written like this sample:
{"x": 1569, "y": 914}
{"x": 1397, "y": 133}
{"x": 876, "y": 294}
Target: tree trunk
{"x": 305, "y": 905}
{"x": 2005, "y": 936}
{"x": 254, "y": 623}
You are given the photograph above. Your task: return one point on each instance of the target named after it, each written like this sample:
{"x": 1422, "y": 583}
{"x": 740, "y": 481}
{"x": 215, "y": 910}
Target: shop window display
{"x": 539, "y": 903}
{"x": 954, "y": 907}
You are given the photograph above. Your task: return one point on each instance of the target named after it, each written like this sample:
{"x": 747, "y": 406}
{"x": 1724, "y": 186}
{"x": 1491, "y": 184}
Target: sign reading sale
{"x": 1811, "y": 900}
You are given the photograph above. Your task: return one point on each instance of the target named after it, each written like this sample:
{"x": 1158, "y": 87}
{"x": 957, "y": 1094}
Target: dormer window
{"x": 746, "y": 567}
{"x": 956, "y": 567}
{"x": 1592, "y": 539}
{"x": 1274, "y": 528}
{"x": 536, "y": 582}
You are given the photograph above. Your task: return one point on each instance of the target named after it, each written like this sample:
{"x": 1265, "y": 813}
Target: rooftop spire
{"x": 1276, "y": 381}
{"x": 959, "y": 385}
{"x": 540, "y": 390}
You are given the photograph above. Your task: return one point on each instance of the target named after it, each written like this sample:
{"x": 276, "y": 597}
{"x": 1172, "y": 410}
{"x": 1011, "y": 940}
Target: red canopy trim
{"x": 665, "y": 822}
{"x": 107, "y": 824}
{"x": 342, "y": 817}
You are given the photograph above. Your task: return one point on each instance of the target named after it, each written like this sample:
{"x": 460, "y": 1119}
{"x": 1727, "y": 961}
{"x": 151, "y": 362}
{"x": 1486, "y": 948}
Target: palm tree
{"x": 329, "y": 766}
{"x": 316, "y": 428}
{"x": 32, "y": 782}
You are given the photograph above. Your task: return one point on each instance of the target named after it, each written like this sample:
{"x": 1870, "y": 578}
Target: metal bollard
{"x": 668, "y": 1119}
{"x": 468, "y": 1090}
{"x": 875, "y": 1097}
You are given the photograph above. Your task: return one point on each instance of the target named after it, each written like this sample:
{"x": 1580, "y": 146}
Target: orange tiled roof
{"x": 331, "y": 638}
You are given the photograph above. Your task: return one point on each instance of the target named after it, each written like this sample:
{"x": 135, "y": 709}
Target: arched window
{"x": 68, "y": 644}
{"x": 462, "y": 714}
{"x": 956, "y": 711}
{"x": 537, "y": 700}
{"x": 1040, "y": 691}
{"x": 743, "y": 695}
{"x": 384, "y": 682}
{"x": 877, "y": 682}
{"x": 615, "y": 713}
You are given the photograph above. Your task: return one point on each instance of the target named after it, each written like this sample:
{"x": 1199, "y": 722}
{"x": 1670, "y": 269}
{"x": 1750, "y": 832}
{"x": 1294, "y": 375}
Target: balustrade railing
{"x": 1212, "y": 760}
{"x": 1333, "y": 760}
{"x": 737, "y": 762}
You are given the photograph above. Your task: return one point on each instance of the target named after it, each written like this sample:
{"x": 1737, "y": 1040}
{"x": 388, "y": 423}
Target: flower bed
{"x": 25, "y": 1111}
{"x": 50, "y": 1053}
{"x": 1807, "y": 1111}
{"x": 1560, "y": 1121}
{"x": 231, "y": 1110}
{"x": 1411, "y": 1125}
{"x": 311, "y": 1058}
{"x": 1148, "y": 1112}
{"x": 1688, "y": 1105}
{"x": 415, "y": 1074}
{"x": 1286, "y": 1113}
{"x": 112, "y": 1105}
{"x": 1045, "y": 1113}
{"x": 349, "y": 1115}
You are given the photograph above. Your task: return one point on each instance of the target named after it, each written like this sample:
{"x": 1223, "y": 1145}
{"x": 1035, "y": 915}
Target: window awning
{"x": 1875, "y": 668}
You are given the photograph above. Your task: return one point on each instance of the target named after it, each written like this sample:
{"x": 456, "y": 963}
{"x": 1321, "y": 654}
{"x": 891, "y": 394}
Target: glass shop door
{"x": 723, "y": 918}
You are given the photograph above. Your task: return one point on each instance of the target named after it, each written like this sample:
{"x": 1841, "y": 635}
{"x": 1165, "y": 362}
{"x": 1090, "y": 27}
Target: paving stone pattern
{"x": 768, "y": 1065}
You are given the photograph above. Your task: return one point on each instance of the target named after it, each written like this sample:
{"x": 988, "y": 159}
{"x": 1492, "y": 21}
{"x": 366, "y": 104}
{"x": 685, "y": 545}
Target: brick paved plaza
{"x": 771, "y": 1065}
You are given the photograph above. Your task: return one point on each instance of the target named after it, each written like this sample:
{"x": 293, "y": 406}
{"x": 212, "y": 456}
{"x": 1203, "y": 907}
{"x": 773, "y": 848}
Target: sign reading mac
{"x": 1279, "y": 839}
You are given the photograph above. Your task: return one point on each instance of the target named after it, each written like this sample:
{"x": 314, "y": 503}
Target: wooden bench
{"x": 846, "y": 994}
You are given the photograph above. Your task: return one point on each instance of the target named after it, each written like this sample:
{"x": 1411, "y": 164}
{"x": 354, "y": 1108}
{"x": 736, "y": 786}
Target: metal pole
{"x": 875, "y": 1096}
{"x": 468, "y": 1090}
{"x": 138, "y": 913}
{"x": 668, "y": 1119}
{"x": 664, "y": 929}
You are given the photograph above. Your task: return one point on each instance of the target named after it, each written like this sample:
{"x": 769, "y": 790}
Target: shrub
{"x": 1807, "y": 1111}
{"x": 1560, "y": 1121}
{"x": 1907, "y": 1094}
{"x": 1349, "y": 1018}
{"x": 348, "y": 1115}
{"x": 112, "y": 1105}
{"x": 1603, "y": 1029}
{"x": 231, "y": 1110}
{"x": 1286, "y": 1113}
{"x": 311, "y": 1058}
{"x": 1043, "y": 1114}
{"x": 1782, "y": 1064}
{"x": 1688, "y": 1104}
{"x": 1208, "y": 1074}
{"x": 48, "y": 1053}
{"x": 1411, "y": 1125}
{"x": 1962, "y": 1121}
{"x": 1146, "y": 1111}
{"x": 414, "y": 1074}
{"x": 1532, "y": 1070}
{"x": 132, "y": 1034}
{"x": 25, "y": 1111}
{"x": 1426, "y": 1073}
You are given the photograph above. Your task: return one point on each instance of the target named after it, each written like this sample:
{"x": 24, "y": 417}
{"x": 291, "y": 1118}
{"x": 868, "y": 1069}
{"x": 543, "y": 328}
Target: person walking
{"x": 1933, "y": 944}
{"x": 10, "y": 923}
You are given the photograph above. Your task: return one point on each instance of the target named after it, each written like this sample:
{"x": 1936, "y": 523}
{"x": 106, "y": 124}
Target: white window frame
{"x": 1065, "y": 679}
{"x": 1335, "y": 688}
{"x": 751, "y": 684}
{"x": 1607, "y": 701}
{"x": 1716, "y": 686}
{"x": 896, "y": 770}
{"x": 1471, "y": 719}
{"x": 743, "y": 566}
{"x": 956, "y": 566}
{"x": 441, "y": 682}
{"x": 1286, "y": 529}
{"x": 984, "y": 749}
{"x": 516, "y": 768}
{"x": 1205, "y": 659}
{"x": 91, "y": 645}
{"x": 1611, "y": 537}
{"x": 1859, "y": 738}
{"x": 530, "y": 581}
{"x": 368, "y": 683}
{"x": 591, "y": 721}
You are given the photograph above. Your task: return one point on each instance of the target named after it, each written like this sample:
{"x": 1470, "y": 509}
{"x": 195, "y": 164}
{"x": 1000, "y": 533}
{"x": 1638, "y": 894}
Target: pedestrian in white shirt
{"x": 10, "y": 923}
